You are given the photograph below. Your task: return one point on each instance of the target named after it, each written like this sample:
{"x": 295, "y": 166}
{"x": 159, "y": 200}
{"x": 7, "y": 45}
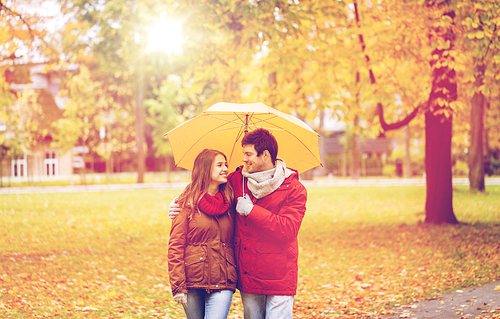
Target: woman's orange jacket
{"x": 200, "y": 253}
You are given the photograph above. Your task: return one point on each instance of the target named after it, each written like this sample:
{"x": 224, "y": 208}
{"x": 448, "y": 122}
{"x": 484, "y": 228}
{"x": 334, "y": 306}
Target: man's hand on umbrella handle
{"x": 244, "y": 205}
{"x": 173, "y": 208}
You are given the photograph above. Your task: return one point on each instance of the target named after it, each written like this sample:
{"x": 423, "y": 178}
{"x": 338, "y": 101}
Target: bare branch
{"x": 380, "y": 107}
{"x": 34, "y": 34}
{"x": 16, "y": 14}
{"x": 396, "y": 125}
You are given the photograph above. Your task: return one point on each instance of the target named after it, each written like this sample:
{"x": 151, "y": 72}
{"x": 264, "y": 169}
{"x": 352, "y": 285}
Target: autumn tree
{"x": 437, "y": 111}
{"x": 479, "y": 26}
{"x": 28, "y": 129}
{"x": 23, "y": 40}
{"x": 163, "y": 115}
{"x": 110, "y": 39}
{"x": 83, "y": 112}
{"x": 7, "y": 112}
{"x": 223, "y": 39}
{"x": 438, "y": 119}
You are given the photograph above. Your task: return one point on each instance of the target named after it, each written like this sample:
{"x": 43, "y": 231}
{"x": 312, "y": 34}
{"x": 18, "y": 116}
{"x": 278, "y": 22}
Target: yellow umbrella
{"x": 223, "y": 125}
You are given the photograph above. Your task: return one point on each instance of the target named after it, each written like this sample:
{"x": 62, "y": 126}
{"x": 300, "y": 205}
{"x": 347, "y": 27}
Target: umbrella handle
{"x": 246, "y": 131}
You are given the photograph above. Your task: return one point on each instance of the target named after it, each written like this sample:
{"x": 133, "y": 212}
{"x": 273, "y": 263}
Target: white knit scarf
{"x": 264, "y": 183}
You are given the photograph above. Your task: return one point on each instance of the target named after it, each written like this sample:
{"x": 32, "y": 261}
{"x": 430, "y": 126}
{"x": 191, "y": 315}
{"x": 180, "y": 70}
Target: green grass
{"x": 362, "y": 250}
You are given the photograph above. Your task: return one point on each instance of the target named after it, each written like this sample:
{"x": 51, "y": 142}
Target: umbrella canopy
{"x": 223, "y": 125}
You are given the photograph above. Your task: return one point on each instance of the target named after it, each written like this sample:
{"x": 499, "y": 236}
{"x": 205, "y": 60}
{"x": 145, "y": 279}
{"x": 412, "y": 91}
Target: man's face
{"x": 253, "y": 162}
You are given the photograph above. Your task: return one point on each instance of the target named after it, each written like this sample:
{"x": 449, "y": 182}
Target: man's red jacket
{"x": 265, "y": 241}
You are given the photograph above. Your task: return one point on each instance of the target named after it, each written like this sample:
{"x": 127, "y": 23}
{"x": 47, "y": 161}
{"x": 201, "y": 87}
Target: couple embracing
{"x": 237, "y": 230}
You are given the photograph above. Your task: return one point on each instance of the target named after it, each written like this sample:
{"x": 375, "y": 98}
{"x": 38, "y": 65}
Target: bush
{"x": 389, "y": 170}
{"x": 494, "y": 165}
{"x": 332, "y": 163}
{"x": 460, "y": 168}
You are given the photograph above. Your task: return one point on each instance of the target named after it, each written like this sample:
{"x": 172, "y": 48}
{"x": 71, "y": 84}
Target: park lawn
{"x": 362, "y": 251}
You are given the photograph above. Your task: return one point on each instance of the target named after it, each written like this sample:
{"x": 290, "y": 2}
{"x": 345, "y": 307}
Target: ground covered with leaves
{"x": 363, "y": 250}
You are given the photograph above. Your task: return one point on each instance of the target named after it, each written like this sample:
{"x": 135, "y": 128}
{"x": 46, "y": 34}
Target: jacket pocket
{"x": 232, "y": 276}
{"x": 194, "y": 266}
{"x": 271, "y": 260}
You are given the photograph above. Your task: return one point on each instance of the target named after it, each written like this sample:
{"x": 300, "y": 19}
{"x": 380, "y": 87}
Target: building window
{"x": 18, "y": 166}
{"x": 50, "y": 164}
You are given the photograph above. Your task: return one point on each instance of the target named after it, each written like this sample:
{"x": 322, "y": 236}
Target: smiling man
{"x": 271, "y": 203}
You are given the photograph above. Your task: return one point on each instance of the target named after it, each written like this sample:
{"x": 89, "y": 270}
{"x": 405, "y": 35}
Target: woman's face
{"x": 219, "y": 170}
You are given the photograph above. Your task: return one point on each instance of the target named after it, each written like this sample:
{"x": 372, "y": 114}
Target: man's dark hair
{"x": 262, "y": 140}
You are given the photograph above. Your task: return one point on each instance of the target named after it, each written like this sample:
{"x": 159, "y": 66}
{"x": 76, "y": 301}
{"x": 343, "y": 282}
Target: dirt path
{"x": 475, "y": 302}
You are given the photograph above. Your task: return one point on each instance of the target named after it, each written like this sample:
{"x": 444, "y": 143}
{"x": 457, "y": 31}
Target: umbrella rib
{"x": 254, "y": 124}
{"x": 229, "y": 128}
{"x": 263, "y": 120}
{"x": 212, "y": 130}
{"x": 242, "y": 121}
{"x": 234, "y": 144}
{"x": 226, "y": 120}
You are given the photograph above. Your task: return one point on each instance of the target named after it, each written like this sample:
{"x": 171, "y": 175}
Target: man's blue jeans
{"x": 267, "y": 306}
{"x": 201, "y": 305}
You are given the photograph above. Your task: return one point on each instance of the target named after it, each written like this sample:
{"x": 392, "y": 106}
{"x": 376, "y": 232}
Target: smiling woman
{"x": 165, "y": 36}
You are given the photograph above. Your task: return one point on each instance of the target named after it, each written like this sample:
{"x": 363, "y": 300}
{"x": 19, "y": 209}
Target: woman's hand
{"x": 182, "y": 299}
{"x": 173, "y": 208}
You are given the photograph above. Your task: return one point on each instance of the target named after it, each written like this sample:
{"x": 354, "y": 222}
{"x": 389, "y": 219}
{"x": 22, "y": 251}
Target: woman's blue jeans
{"x": 201, "y": 305}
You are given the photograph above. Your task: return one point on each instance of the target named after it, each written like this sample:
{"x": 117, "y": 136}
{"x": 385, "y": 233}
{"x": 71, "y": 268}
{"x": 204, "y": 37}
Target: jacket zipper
{"x": 209, "y": 250}
{"x": 221, "y": 245}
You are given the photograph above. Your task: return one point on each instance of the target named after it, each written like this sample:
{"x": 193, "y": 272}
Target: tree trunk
{"x": 167, "y": 168}
{"x": 83, "y": 174}
{"x": 407, "y": 170}
{"x": 109, "y": 168}
{"x": 1, "y": 167}
{"x": 308, "y": 175}
{"x": 355, "y": 152}
{"x": 343, "y": 165}
{"x": 29, "y": 169}
{"x": 476, "y": 160}
{"x": 356, "y": 148}
{"x": 139, "y": 138}
{"x": 438, "y": 133}
{"x": 439, "y": 201}
{"x": 486, "y": 143}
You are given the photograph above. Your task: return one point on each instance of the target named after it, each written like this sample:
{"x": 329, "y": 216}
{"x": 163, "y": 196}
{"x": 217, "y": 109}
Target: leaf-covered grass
{"x": 362, "y": 251}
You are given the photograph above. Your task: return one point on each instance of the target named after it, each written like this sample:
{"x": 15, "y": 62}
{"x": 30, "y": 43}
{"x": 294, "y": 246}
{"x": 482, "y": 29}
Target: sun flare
{"x": 165, "y": 36}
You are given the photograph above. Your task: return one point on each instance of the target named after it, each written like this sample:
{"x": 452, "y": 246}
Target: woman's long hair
{"x": 200, "y": 180}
